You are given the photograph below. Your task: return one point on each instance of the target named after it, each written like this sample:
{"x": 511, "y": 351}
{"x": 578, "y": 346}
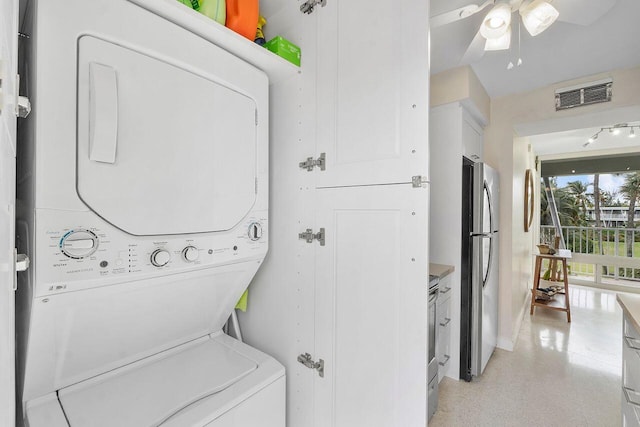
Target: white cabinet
{"x": 8, "y": 90}
{"x": 471, "y": 138}
{"x": 372, "y": 107}
{"x": 443, "y": 326}
{"x": 358, "y": 301}
{"x": 367, "y": 301}
{"x": 630, "y": 375}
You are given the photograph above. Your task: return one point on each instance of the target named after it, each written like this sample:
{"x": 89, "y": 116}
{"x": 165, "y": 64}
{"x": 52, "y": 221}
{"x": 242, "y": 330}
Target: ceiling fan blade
{"x": 458, "y": 14}
{"x": 584, "y": 12}
{"x": 475, "y": 51}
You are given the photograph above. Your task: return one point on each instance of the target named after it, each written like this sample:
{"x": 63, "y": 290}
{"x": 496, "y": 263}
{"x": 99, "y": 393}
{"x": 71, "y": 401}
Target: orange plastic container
{"x": 242, "y": 17}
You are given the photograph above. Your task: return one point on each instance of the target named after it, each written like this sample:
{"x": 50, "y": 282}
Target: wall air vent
{"x": 585, "y": 94}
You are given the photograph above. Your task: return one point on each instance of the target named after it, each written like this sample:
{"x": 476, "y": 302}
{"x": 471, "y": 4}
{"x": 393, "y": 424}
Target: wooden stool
{"x": 561, "y": 256}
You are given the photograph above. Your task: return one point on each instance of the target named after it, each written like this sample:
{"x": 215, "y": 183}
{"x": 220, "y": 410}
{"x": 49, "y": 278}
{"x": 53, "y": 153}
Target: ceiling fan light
{"x": 537, "y": 16}
{"x": 497, "y": 21}
{"x": 501, "y": 43}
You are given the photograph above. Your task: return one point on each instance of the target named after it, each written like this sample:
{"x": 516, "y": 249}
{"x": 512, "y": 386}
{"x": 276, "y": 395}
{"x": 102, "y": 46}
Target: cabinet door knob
{"x": 446, "y": 360}
{"x": 446, "y": 321}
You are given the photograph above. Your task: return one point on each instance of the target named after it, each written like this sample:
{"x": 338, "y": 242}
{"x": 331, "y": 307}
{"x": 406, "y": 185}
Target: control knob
{"x": 160, "y": 257}
{"x": 190, "y": 254}
{"x": 255, "y": 231}
{"x": 79, "y": 243}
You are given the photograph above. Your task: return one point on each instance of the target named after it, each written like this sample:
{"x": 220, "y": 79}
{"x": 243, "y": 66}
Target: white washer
{"x": 145, "y": 211}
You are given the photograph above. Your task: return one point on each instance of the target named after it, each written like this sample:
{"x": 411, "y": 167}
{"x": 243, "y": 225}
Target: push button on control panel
{"x": 79, "y": 244}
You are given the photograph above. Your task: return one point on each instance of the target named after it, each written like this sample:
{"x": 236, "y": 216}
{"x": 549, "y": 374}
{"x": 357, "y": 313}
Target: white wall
{"x": 461, "y": 84}
{"x": 511, "y": 156}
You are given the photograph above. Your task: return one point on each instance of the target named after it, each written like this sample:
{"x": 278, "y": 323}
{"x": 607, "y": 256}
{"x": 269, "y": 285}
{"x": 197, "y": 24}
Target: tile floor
{"x": 559, "y": 374}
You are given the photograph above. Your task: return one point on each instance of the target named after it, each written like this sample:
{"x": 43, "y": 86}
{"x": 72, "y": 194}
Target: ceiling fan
{"x": 536, "y": 15}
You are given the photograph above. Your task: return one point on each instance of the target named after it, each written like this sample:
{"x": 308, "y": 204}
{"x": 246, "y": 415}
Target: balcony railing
{"x": 601, "y": 253}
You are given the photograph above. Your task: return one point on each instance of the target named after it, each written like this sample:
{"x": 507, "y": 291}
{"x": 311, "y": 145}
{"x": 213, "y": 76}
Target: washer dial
{"x": 160, "y": 257}
{"x": 79, "y": 243}
{"x": 190, "y": 254}
{"x": 255, "y": 231}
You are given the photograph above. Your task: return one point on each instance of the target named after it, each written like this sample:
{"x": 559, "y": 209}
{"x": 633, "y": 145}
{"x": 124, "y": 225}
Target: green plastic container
{"x": 214, "y": 9}
{"x": 284, "y": 48}
{"x": 193, "y": 4}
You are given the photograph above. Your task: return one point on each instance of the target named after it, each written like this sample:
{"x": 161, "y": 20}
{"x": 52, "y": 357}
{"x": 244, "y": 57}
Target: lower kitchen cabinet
{"x": 630, "y": 375}
{"x": 443, "y": 319}
{"x": 630, "y": 361}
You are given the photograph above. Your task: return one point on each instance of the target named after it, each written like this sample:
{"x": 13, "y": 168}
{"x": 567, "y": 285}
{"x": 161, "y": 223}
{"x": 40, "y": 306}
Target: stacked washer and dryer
{"x": 144, "y": 207}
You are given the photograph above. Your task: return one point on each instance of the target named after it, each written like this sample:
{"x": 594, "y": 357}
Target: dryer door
{"x": 162, "y": 148}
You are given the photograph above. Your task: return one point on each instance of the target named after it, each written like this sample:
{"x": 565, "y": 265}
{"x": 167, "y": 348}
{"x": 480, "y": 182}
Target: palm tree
{"x": 568, "y": 210}
{"x": 609, "y": 198}
{"x": 597, "y": 197}
{"x": 630, "y": 192}
{"x": 596, "y": 208}
{"x": 579, "y": 191}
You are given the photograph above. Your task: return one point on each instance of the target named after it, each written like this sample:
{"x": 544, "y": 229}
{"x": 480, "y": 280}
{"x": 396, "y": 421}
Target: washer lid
{"x": 149, "y": 392}
{"x": 163, "y": 148}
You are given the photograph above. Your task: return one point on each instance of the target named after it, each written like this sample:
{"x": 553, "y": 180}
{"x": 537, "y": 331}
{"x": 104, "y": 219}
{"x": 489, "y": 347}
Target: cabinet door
{"x": 373, "y": 92}
{"x": 443, "y": 345}
{"x": 371, "y": 306}
{"x": 472, "y": 138}
{"x": 8, "y": 92}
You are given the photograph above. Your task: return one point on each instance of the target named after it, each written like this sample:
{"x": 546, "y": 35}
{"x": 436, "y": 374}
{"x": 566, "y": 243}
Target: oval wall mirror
{"x": 528, "y": 200}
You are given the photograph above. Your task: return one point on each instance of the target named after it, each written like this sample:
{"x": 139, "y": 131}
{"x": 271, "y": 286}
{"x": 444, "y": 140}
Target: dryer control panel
{"x": 87, "y": 252}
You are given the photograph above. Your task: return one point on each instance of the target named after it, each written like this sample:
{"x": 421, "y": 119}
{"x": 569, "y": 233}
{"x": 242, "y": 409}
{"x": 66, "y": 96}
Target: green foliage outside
{"x": 573, "y": 202}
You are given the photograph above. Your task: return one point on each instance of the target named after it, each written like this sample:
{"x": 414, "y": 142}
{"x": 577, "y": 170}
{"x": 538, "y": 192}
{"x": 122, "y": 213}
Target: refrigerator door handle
{"x": 486, "y": 235}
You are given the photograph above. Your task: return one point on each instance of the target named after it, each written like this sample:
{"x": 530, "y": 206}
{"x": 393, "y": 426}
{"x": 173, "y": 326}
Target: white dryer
{"x": 144, "y": 194}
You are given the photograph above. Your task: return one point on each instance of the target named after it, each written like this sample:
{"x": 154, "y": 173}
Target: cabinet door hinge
{"x": 419, "y": 181}
{"x": 310, "y": 163}
{"x": 307, "y": 361}
{"x": 309, "y": 236}
{"x": 307, "y": 6}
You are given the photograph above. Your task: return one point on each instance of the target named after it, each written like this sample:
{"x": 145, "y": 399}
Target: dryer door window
{"x": 162, "y": 148}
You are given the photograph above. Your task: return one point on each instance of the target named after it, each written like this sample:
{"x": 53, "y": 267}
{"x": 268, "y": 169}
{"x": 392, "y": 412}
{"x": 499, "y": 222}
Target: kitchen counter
{"x": 442, "y": 270}
{"x": 631, "y": 306}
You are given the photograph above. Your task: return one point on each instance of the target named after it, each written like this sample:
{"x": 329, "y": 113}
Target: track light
{"x": 592, "y": 139}
{"x": 613, "y": 130}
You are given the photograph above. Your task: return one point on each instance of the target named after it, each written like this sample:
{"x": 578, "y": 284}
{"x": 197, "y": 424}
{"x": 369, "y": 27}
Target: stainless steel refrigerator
{"x": 479, "y": 269}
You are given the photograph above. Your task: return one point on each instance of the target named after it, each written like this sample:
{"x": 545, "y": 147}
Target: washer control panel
{"x": 90, "y": 252}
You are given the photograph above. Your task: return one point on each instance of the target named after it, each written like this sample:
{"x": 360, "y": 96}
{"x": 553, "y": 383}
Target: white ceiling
{"x": 563, "y": 52}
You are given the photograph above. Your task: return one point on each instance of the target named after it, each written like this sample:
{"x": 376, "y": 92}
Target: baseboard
{"x": 505, "y": 344}
{"x": 508, "y": 344}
